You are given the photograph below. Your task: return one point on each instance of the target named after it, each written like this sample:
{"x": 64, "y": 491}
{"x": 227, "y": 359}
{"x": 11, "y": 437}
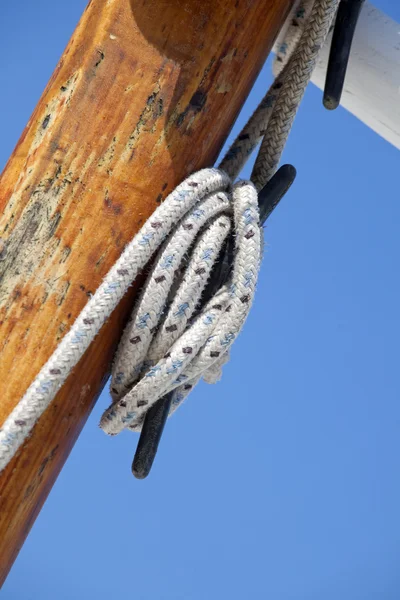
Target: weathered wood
{"x": 144, "y": 94}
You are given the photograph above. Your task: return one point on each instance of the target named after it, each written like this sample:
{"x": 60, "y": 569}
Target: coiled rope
{"x": 163, "y": 349}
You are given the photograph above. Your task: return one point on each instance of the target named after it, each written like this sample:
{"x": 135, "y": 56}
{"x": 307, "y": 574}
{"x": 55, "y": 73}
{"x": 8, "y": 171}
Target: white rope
{"x": 162, "y": 349}
{"x": 273, "y": 118}
{"x": 290, "y": 34}
{"x": 176, "y": 356}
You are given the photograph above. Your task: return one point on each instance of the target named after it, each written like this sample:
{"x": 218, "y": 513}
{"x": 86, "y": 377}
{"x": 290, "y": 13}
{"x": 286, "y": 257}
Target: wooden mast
{"x": 144, "y": 94}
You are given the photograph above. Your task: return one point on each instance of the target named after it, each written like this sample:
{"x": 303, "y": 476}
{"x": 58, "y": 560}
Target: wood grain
{"x": 144, "y": 94}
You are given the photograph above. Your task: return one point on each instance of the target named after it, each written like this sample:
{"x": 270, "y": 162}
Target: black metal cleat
{"x": 156, "y": 416}
{"x": 342, "y": 38}
{"x": 150, "y": 436}
{"x": 273, "y": 192}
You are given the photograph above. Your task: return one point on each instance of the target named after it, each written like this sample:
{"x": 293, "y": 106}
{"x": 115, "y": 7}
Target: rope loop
{"x": 163, "y": 348}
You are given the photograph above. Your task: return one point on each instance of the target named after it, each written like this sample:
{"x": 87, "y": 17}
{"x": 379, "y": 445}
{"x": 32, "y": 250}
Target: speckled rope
{"x": 291, "y": 33}
{"x": 273, "y": 118}
{"x": 178, "y": 355}
{"x": 162, "y": 349}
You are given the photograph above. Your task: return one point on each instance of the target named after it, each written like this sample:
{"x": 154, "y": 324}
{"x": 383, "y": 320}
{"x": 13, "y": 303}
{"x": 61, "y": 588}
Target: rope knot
{"x": 174, "y": 337}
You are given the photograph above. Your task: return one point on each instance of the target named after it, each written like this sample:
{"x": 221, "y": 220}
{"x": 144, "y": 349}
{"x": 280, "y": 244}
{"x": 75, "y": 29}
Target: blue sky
{"x": 282, "y": 480}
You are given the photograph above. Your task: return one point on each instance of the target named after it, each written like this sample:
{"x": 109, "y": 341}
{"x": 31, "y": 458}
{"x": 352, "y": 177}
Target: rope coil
{"x": 209, "y": 206}
{"x": 156, "y": 355}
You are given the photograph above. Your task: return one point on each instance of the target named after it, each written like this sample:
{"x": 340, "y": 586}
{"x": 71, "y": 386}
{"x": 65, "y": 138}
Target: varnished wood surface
{"x": 144, "y": 94}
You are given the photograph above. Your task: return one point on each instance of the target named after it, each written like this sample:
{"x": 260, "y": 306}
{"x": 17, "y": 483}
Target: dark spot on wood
{"x": 54, "y": 451}
{"x": 43, "y": 466}
{"x": 82, "y": 287}
{"x": 164, "y": 187}
{"x": 180, "y": 118}
{"x": 151, "y": 98}
{"x": 116, "y": 208}
{"x": 66, "y": 287}
{"x": 65, "y": 253}
{"x": 46, "y": 121}
{"x": 159, "y": 198}
{"x": 3, "y": 249}
{"x": 54, "y": 224}
{"x": 100, "y": 59}
{"x": 28, "y": 491}
{"x": 53, "y": 146}
{"x": 196, "y": 104}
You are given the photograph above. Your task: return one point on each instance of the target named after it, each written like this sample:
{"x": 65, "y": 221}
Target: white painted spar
{"x": 372, "y": 86}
